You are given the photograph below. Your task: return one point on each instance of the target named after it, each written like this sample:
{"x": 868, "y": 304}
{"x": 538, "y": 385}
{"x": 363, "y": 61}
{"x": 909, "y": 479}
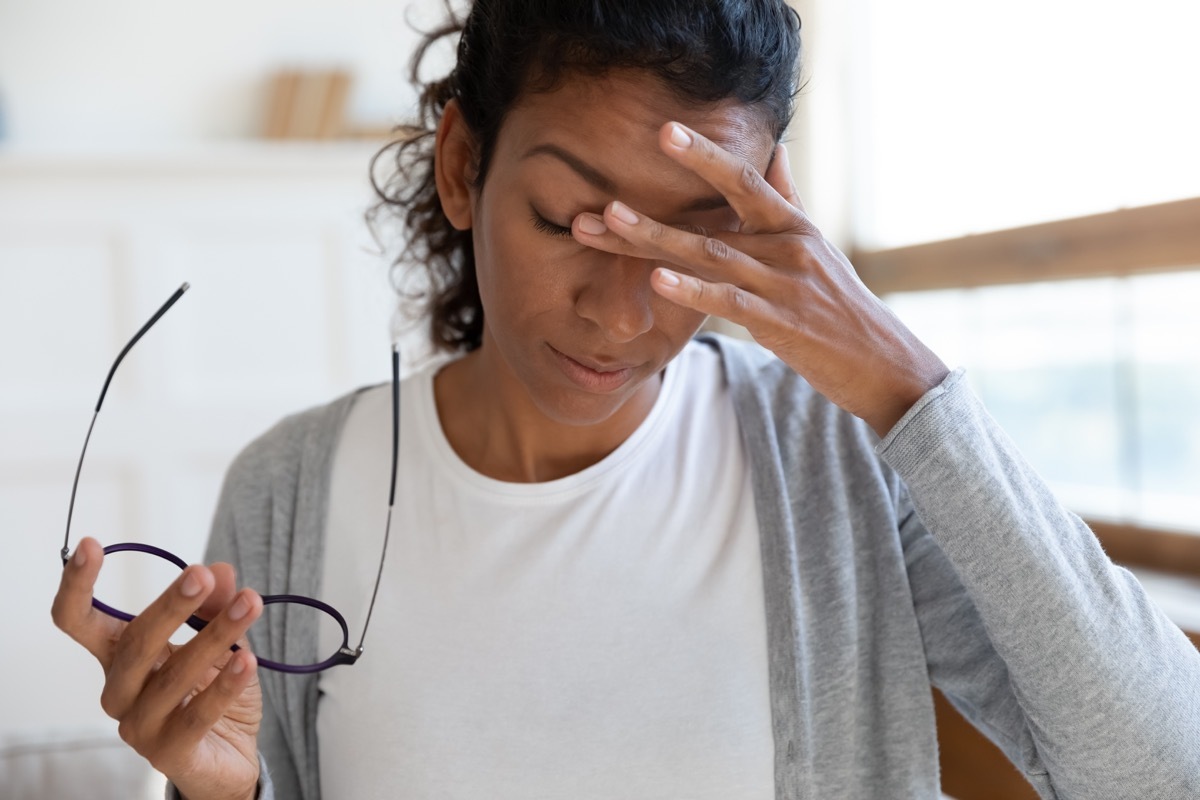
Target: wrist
{"x": 253, "y": 795}
{"x": 220, "y": 794}
{"x": 904, "y": 393}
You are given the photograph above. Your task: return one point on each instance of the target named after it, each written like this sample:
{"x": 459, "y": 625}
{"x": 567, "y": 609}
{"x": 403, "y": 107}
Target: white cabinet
{"x": 289, "y": 306}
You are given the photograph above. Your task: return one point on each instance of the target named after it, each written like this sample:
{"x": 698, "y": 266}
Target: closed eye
{"x": 549, "y": 228}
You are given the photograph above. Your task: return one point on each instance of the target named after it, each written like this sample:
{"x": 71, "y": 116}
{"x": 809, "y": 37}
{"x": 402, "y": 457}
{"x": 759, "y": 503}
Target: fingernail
{"x": 624, "y": 213}
{"x": 191, "y": 585}
{"x": 239, "y": 609}
{"x": 680, "y": 137}
{"x": 589, "y": 223}
{"x": 80, "y": 557}
{"x": 668, "y": 278}
{"x": 239, "y": 666}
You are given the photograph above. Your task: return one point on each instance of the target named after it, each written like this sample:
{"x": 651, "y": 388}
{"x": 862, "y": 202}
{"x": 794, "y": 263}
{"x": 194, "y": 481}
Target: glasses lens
{"x": 131, "y": 581}
{"x": 283, "y": 618}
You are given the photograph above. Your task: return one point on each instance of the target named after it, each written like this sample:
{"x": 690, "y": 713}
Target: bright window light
{"x": 972, "y": 117}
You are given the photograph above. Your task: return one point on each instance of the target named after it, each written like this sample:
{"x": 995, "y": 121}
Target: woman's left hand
{"x": 778, "y": 277}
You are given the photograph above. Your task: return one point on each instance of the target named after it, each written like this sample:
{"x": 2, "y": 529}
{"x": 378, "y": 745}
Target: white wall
{"x": 289, "y": 307}
{"x": 127, "y": 168}
{"x": 132, "y": 72}
{"x": 125, "y": 171}
{"x": 129, "y": 74}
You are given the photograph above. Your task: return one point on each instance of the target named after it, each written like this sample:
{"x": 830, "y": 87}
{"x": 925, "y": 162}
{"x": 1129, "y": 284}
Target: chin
{"x": 576, "y": 407}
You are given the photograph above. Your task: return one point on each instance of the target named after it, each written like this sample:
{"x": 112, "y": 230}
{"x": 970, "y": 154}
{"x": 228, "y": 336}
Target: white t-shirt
{"x": 598, "y": 636}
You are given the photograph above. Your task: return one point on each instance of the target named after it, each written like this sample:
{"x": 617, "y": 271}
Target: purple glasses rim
{"x": 343, "y": 655}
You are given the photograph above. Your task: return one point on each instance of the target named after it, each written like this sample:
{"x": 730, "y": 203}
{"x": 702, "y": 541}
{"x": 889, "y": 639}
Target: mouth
{"x": 593, "y": 375}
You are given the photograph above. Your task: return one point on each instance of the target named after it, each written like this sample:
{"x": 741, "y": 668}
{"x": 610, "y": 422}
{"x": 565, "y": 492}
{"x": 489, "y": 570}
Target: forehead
{"x": 613, "y": 123}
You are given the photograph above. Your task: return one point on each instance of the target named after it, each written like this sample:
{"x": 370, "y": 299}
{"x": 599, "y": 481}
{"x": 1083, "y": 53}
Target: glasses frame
{"x": 345, "y": 655}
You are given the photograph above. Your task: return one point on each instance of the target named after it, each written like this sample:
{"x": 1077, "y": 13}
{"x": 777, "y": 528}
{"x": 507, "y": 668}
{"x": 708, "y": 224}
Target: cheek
{"x": 521, "y": 272}
{"x": 677, "y": 323}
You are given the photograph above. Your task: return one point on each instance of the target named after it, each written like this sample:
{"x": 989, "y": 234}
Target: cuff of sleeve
{"x": 265, "y": 790}
{"x": 903, "y": 444}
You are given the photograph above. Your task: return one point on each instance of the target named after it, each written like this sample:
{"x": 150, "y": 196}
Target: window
{"x": 970, "y": 118}
{"x": 973, "y": 117}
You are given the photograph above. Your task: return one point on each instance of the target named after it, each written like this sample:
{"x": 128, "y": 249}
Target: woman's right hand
{"x": 192, "y": 710}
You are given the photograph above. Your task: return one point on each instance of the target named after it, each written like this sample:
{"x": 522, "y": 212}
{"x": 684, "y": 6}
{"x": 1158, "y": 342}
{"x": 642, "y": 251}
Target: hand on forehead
{"x": 604, "y": 135}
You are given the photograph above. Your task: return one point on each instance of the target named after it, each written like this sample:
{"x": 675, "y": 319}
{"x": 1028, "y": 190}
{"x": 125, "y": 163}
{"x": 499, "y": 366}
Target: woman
{"x": 630, "y": 562}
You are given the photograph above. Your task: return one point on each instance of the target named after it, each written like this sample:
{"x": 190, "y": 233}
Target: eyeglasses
{"x": 344, "y": 654}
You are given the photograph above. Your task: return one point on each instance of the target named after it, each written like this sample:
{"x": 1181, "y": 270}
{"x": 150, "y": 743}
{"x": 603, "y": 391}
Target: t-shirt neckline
{"x": 446, "y": 459}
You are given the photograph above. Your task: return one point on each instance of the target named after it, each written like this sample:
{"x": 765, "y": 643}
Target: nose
{"x": 617, "y": 297}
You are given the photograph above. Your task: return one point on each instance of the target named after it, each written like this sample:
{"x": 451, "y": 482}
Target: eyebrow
{"x": 606, "y": 184}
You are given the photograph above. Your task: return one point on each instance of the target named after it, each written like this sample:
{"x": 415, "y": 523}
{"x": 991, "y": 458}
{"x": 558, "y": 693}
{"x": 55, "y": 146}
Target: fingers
{"x": 758, "y": 203}
{"x": 144, "y": 644}
{"x": 225, "y": 586}
{"x": 723, "y": 300}
{"x": 717, "y": 256}
{"x": 189, "y": 723}
{"x": 72, "y": 610}
{"x": 190, "y": 667}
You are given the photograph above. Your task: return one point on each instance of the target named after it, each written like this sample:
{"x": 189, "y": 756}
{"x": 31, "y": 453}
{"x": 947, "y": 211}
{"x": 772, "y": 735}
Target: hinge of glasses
{"x": 346, "y": 651}
{"x": 65, "y": 552}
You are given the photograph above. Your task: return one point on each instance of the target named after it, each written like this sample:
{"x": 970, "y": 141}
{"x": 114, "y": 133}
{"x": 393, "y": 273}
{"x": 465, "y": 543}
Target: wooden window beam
{"x": 1152, "y": 548}
{"x": 1158, "y": 238}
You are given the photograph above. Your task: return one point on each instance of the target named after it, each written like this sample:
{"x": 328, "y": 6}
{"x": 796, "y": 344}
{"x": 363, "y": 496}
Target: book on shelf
{"x": 307, "y": 104}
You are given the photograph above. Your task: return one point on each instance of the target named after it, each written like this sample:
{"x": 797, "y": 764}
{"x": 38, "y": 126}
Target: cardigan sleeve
{"x": 1053, "y": 651}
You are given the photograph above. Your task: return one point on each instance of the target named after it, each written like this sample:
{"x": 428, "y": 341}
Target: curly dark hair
{"x": 702, "y": 50}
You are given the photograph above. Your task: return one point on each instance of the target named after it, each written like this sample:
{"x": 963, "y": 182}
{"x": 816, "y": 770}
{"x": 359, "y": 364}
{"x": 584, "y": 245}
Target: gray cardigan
{"x": 936, "y": 556}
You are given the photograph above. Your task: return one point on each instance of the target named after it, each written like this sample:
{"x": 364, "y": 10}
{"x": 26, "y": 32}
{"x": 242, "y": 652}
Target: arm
{"x": 1107, "y": 688}
{"x": 1046, "y": 646}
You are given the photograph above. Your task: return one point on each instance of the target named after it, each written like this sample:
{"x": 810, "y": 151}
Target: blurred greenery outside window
{"x": 966, "y": 119}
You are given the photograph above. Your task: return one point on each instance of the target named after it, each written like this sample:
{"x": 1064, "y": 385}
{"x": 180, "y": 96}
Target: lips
{"x": 594, "y": 374}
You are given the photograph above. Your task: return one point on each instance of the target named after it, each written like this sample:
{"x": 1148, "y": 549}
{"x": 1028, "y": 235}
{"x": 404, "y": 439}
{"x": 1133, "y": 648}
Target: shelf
{"x": 243, "y": 157}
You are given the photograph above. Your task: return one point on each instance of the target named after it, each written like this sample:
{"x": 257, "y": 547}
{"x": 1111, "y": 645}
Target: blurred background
{"x": 1020, "y": 183}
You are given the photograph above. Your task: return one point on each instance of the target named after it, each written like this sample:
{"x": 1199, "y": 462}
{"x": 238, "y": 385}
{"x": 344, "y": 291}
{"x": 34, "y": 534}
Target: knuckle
{"x": 657, "y": 233}
{"x": 806, "y": 226}
{"x": 109, "y": 705}
{"x": 127, "y": 729}
{"x": 736, "y": 299}
{"x": 715, "y": 249}
{"x": 748, "y": 178}
{"x": 59, "y": 615}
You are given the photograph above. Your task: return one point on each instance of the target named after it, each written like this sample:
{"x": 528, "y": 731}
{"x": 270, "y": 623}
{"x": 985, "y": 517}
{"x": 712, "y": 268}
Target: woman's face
{"x": 581, "y": 330}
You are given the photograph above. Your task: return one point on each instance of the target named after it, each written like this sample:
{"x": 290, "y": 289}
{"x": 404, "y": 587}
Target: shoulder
{"x": 298, "y": 443}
